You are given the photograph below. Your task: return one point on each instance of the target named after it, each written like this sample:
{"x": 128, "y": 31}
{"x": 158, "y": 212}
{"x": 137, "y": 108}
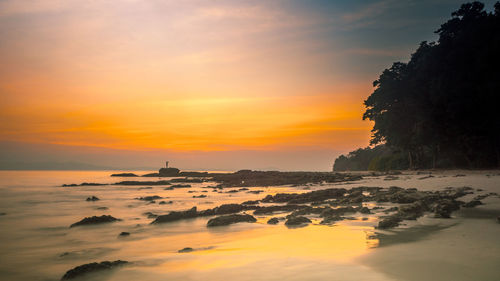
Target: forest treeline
{"x": 440, "y": 109}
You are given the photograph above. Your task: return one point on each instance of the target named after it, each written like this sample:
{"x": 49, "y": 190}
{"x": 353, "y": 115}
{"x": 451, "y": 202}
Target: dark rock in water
{"x": 125, "y": 233}
{"x": 473, "y": 204}
{"x": 331, "y": 219}
{"x": 145, "y": 187}
{"x": 230, "y": 219}
{"x": 255, "y": 191}
{"x": 168, "y": 172}
{"x": 233, "y": 191}
{"x": 251, "y": 202}
{"x": 412, "y": 211}
{"x": 92, "y": 267}
{"x": 85, "y": 184}
{"x": 162, "y": 182}
{"x": 194, "y": 174}
{"x": 243, "y": 189}
{"x": 228, "y": 209}
{"x": 444, "y": 208}
{"x": 102, "y": 208}
{"x": 166, "y": 202}
{"x": 247, "y": 178}
{"x": 200, "y": 196}
{"x": 313, "y": 196}
{"x": 186, "y": 250}
{"x": 297, "y": 221}
{"x": 151, "y": 175}
{"x": 176, "y": 215}
{"x": 150, "y": 215}
{"x": 364, "y": 210}
{"x": 278, "y": 208}
{"x": 3, "y": 214}
{"x": 92, "y": 198}
{"x": 388, "y": 222}
{"x": 187, "y": 180}
{"x": 149, "y": 198}
{"x": 273, "y": 221}
{"x": 498, "y": 219}
{"x": 95, "y": 220}
{"x": 459, "y": 175}
{"x": 180, "y": 186}
{"x": 392, "y": 209}
{"x": 124, "y": 175}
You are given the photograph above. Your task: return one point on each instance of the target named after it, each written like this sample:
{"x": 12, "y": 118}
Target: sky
{"x": 217, "y": 85}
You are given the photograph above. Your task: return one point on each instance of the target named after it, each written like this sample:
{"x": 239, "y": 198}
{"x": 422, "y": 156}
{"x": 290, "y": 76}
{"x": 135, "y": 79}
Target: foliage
{"x": 441, "y": 106}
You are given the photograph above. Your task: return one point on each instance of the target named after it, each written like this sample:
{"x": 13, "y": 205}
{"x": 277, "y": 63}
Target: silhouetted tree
{"x": 441, "y": 107}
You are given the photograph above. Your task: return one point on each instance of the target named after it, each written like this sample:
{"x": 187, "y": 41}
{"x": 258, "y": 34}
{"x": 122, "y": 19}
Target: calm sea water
{"x": 36, "y": 242}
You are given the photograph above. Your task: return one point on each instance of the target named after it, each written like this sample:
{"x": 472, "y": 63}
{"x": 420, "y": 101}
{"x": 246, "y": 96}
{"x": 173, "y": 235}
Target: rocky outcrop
{"x": 124, "y": 175}
{"x": 299, "y": 198}
{"x": 162, "y": 182}
{"x": 168, "y": 172}
{"x": 92, "y": 198}
{"x": 294, "y": 221}
{"x": 95, "y": 220}
{"x": 273, "y": 221}
{"x": 389, "y": 222}
{"x": 230, "y": 219}
{"x": 176, "y": 215}
{"x": 186, "y": 250}
{"x": 92, "y": 267}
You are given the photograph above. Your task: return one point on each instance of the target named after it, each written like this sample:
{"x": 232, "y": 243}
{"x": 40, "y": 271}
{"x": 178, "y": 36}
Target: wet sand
{"x": 39, "y": 245}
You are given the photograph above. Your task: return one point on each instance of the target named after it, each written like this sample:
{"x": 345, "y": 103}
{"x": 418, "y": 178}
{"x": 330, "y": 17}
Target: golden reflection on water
{"x": 314, "y": 242}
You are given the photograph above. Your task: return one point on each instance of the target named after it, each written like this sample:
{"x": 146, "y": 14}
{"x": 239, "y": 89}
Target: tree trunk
{"x": 410, "y": 160}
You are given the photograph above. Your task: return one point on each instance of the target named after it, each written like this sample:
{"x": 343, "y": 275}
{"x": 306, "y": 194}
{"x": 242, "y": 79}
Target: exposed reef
{"x": 92, "y": 267}
{"x": 95, "y": 220}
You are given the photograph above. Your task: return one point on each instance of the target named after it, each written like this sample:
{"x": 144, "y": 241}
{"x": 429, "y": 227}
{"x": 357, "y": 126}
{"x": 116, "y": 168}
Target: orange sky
{"x": 187, "y": 75}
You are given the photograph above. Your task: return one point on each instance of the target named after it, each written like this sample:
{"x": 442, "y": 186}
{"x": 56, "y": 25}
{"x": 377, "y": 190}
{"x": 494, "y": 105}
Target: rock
{"x": 124, "y": 175}
{"x": 391, "y": 209}
{"x": 151, "y": 175}
{"x": 180, "y": 186}
{"x": 200, "y": 196}
{"x": 187, "y": 180}
{"x": 364, "y": 210}
{"x": 150, "y": 215}
{"x": 92, "y": 198}
{"x": 230, "y": 219}
{"x": 278, "y": 208}
{"x": 186, "y": 250}
{"x": 331, "y": 219}
{"x": 92, "y": 267}
{"x": 165, "y": 202}
{"x": 145, "y": 187}
{"x": 168, "y": 172}
{"x": 251, "y": 202}
{"x": 389, "y": 222}
{"x": 297, "y": 221}
{"x": 124, "y": 234}
{"x": 228, "y": 209}
{"x": 412, "y": 211}
{"x": 162, "y": 182}
{"x": 95, "y": 220}
{"x": 3, "y": 214}
{"x": 498, "y": 219}
{"x": 176, "y": 215}
{"x": 473, "y": 204}
{"x": 444, "y": 208}
{"x": 102, "y": 208}
{"x": 255, "y": 191}
{"x": 149, "y": 198}
{"x": 85, "y": 184}
{"x": 273, "y": 221}
{"x": 313, "y": 196}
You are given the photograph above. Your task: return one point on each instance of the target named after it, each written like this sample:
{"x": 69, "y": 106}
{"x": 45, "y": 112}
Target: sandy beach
{"x": 38, "y": 243}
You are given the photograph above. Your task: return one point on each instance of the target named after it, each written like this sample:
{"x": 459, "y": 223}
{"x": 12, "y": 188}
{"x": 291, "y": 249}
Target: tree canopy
{"x": 441, "y": 107}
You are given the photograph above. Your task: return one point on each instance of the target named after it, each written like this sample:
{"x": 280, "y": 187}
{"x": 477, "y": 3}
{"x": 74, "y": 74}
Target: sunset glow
{"x": 191, "y": 75}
